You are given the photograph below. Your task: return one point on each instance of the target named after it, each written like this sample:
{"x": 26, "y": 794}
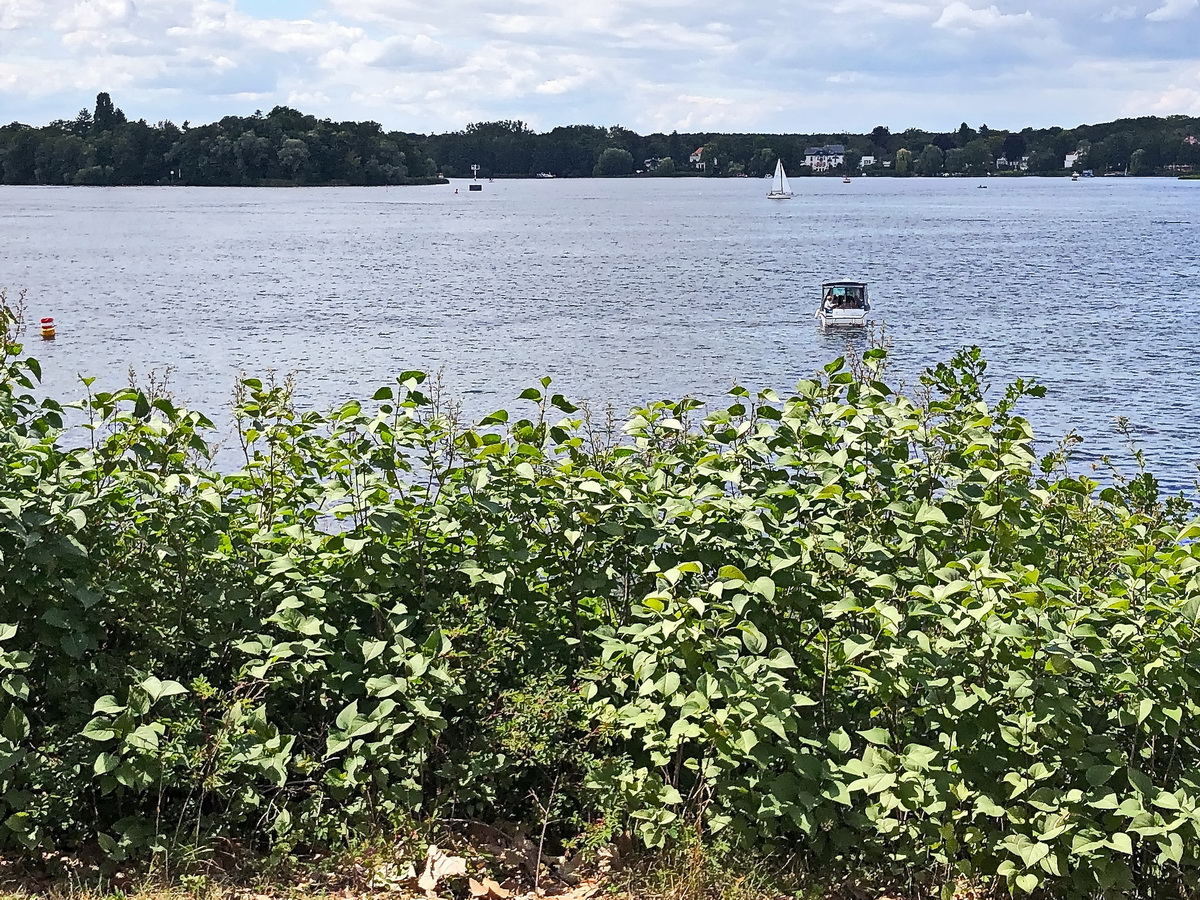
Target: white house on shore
{"x": 820, "y": 159}
{"x": 697, "y": 157}
{"x": 1071, "y": 158}
{"x": 866, "y": 161}
{"x": 1020, "y": 165}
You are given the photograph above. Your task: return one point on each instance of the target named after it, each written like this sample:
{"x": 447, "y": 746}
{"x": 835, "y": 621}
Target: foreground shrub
{"x": 875, "y": 631}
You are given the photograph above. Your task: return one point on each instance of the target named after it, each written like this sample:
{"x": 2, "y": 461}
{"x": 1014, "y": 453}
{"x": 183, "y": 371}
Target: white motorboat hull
{"x": 841, "y": 318}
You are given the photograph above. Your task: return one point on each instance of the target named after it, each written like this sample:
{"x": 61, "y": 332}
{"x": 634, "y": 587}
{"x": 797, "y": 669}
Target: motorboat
{"x": 843, "y": 303}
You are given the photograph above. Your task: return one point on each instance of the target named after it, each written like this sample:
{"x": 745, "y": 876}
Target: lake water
{"x": 626, "y": 291}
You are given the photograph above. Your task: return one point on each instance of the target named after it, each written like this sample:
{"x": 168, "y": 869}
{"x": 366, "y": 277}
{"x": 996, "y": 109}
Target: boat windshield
{"x": 845, "y": 296}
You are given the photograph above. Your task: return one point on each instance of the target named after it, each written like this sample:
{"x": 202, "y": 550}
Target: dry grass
{"x": 485, "y": 868}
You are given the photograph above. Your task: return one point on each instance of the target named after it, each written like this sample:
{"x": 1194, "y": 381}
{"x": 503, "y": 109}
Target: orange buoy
{"x": 48, "y": 331}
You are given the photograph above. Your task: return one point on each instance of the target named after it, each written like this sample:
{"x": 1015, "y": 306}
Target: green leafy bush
{"x": 876, "y": 630}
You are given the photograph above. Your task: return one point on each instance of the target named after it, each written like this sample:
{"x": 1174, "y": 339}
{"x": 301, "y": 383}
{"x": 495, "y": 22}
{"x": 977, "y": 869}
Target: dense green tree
{"x": 946, "y": 142}
{"x": 1045, "y": 162}
{"x": 293, "y": 155}
{"x": 83, "y": 122}
{"x": 930, "y": 161}
{"x": 614, "y": 162}
{"x": 253, "y": 155}
{"x": 903, "y": 161}
{"x": 20, "y": 154}
{"x": 1138, "y": 164}
{"x": 1188, "y": 154}
{"x": 977, "y": 157}
{"x": 956, "y": 161}
{"x": 1014, "y": 147}
{"x": 106, "y": 117}
{"x": 1099, "y": 156}
{"x": 761, "y": 163}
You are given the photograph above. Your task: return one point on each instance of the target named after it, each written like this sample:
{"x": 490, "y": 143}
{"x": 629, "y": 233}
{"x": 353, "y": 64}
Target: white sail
{"x": 780, "y": 189}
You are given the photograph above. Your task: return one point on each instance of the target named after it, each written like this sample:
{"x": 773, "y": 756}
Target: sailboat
{"x": 780, "y": 189}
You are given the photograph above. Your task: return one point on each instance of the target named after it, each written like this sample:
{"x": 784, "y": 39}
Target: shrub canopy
{"x": 872, "y": 628}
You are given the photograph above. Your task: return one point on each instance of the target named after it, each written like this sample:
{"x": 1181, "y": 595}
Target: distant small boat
{"x": 845, "y": 179}
{"x": 780, "y": 189}
{"x": 1074, "y": 176}
{"x": 544, "y": 175}
{"x": 843, "y": 303}
{"x": 984, "y": 186}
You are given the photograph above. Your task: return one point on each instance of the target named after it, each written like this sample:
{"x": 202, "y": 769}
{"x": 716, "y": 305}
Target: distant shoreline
{"x": 287, "y": 148}
{"x": 647, "y": 176}
{"x": 417, "y": 182}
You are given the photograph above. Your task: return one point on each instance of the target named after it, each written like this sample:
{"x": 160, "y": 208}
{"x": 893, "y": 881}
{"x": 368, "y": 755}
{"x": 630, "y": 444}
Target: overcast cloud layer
{"x": 650, "y": 65}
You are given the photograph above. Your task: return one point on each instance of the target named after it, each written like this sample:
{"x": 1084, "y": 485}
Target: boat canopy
{"x": 844, "y": 294}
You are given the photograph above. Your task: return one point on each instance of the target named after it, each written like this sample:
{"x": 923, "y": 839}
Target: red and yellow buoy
{"x": 48, "y": 331}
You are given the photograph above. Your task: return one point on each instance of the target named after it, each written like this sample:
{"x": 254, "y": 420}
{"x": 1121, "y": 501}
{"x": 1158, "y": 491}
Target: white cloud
{"x": 1119, "y": 14}
{"x": 1173, "y": 10}
{"x": 888, "y": 9}
{"x": 960, "y": 17}
{"x": 96, "y": 15}
{"x": 17, "y": 13}
{"x": 1176, "y": 94}
{"x": 820, "y": 65}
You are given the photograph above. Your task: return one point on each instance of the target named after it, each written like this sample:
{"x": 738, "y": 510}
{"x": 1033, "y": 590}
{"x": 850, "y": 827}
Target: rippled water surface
{"x": 625, "y": 291}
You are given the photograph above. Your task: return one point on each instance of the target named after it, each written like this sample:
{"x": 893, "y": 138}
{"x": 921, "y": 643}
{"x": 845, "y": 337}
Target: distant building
{"x": 1003, "y": 162}
{"x": 820, "y": 159}
{"x": 696, "y": 159}
{"x": 650, "y": 164}
{"x": 1071, "y": 158}
{"x": 866, "y": 161}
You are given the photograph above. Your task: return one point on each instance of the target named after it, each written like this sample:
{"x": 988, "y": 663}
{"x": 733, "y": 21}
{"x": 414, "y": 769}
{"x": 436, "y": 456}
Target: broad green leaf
{"x": 929, "y": 513}
{"x": 753, "y": 639}
{"x": 106, "y": 763}
{"x": 876, "y": 735}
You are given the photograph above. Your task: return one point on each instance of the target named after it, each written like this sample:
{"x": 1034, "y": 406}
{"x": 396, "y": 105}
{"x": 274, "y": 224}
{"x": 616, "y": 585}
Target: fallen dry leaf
{"x": 439, "y": 865}
{"x": 585, "y": 891}
{"x": 487, "y": 888}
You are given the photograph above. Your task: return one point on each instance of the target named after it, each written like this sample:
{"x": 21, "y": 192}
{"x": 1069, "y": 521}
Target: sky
{"x": 648, "y": 65}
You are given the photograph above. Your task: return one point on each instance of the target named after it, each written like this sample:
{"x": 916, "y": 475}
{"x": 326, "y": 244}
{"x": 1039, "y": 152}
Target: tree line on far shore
{"x": 285, "y": 146}
{"x": 281, "y": 147}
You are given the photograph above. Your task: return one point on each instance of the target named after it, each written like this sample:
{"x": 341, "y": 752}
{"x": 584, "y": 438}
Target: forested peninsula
{"x": 286, "y": 147}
